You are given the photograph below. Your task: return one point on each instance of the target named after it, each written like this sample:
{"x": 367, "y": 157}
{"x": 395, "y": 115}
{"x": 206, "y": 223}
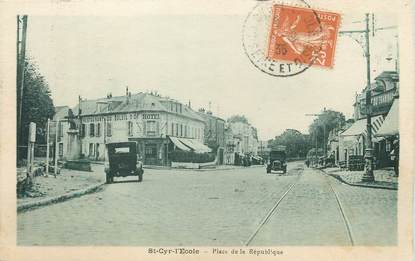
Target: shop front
{"x": 152, "y": 151}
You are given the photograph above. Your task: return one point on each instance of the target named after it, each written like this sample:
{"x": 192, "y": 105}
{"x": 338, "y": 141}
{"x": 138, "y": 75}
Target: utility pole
{"x": 20, "y": 70}
{"x": 47, "y": 147}
{"x": 56, "y": 148}
{"x": 324, "y": 133}
{"x": 368, "y": 175}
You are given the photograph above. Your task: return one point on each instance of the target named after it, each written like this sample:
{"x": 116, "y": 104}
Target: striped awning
{"x": 391, "y": 125}
{"x": 179, "y": 144}
{"x": 359, "y": 127}
{"x": 197, "y": 146}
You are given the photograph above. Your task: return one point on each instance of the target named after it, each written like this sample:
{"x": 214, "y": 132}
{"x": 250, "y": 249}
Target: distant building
{"x": 159, "y": 125}
{"x": 61, "y": 119}
{"x": 264, "y": 148}
{"x": 241, "y": 139}
{"x": 214, "y": 133}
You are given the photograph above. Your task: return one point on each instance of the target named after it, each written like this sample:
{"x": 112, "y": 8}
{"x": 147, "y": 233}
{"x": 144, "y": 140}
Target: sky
{"x": 198, "y": 58}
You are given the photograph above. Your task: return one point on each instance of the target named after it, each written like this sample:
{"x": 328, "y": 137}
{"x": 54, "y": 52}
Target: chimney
{"x": 190, "y": 104}
{"x": 126, "y": 91}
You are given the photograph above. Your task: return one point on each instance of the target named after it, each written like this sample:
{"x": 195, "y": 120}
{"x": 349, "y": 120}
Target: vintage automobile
{"x": 122, "y": 161}
{"x": 277, "y": 160}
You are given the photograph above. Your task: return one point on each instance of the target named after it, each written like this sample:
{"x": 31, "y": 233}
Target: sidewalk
{"x": 66, "y": 185}
{"x": 384, "y": 178}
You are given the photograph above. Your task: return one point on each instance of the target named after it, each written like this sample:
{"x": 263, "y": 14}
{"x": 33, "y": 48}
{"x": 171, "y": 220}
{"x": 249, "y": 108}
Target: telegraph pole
{"x": 324, "y": 133}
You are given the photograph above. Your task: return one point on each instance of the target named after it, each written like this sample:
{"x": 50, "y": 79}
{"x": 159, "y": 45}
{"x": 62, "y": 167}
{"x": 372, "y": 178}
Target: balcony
{"x": 381, "y": 103}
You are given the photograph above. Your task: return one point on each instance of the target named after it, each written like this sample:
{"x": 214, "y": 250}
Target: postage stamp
{"x": 285, "y": 40}
{"x": 302, "y": 35}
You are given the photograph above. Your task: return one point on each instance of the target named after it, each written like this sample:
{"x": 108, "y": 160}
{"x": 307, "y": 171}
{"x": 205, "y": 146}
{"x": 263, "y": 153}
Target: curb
{"x": 52, "y": 200}
{"x": 357, "y": 185}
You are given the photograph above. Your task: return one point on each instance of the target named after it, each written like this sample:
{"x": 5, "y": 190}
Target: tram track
{"x": 274, "y": 210}
{"x": 341, "y": 209}
{"x": 271, "y": 211}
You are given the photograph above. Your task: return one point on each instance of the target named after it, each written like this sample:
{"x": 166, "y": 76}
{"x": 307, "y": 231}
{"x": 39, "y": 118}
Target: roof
{"x": 135, "y": 102}
{"x": 390, "y": 126}
{"x": 388, "y": 74}
{"x": 61, "y": 112}
{"x": 208, "y": 116}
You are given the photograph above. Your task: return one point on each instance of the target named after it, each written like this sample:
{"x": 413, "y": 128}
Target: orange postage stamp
{"x": 302, "y": 35}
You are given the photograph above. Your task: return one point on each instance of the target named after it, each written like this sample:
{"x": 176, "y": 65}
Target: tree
{"x": 238, "y": 118}
{"x": 297, "y": 144}
{"x": 323, "y": 124}
{"x": 37, "y": 104}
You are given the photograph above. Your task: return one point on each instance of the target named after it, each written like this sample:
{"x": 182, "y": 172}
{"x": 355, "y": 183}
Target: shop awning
{"x": 179, "y": 144}
{"x": 196, "y": 145}
{"x": 359, "y": 127}
{"x": 390, "y": 126}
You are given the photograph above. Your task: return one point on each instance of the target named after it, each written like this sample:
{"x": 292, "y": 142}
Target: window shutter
{"x": 157, "y": 128}
{"x": 144, "y": 128}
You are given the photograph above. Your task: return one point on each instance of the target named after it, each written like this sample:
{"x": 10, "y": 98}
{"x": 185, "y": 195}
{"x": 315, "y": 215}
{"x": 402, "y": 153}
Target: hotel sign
{"x": 151, "y": 116}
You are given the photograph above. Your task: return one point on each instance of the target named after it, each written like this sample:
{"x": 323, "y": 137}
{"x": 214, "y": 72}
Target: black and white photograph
{"x": 211, "y": 131}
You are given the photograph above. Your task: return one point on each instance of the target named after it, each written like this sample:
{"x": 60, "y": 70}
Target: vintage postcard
{"x": 241, "y": 129}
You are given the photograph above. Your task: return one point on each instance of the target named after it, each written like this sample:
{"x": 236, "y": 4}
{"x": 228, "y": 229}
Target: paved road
{"x": 215, "y": 208}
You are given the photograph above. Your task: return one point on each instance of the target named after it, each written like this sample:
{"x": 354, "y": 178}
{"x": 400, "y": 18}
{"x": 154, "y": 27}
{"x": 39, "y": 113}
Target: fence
{"x": 39, "y": 153}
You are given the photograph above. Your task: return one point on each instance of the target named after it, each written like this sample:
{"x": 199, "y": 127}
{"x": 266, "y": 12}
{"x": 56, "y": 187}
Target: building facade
{"x": 159, "y": 125}
{"x": 353, "y": 140}
{"x": 241, "y": 139}
{"x": 214, "y": 134}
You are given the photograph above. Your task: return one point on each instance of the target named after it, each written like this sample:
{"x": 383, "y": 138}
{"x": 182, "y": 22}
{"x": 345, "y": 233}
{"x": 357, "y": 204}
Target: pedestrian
{"x": 395, "y": 157}
{"x": 307, "y": 162}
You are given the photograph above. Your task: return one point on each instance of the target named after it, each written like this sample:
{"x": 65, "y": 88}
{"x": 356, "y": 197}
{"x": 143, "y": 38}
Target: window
{"x": 185, "y": 130}
{"x": 177, "y": 129}
{"x": 122, "y": 150}
{"x": 172, "y": 129}
{"x": 60, "y": 149}
{"x": 388, "y": 146}
{"x": 83, "y": 130}
{"x": 60, "y": 129}
{"x": 91, "y": 129}
{"x": 181, "y": 130}
{"x": 109, "y": 129}
{"x": 151, "y": 128}
{"x": 91, "y": 149}
{"x": 150, "y": 151}
{"x": 98, "y": 132}
{"x": 130, "y": 128}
